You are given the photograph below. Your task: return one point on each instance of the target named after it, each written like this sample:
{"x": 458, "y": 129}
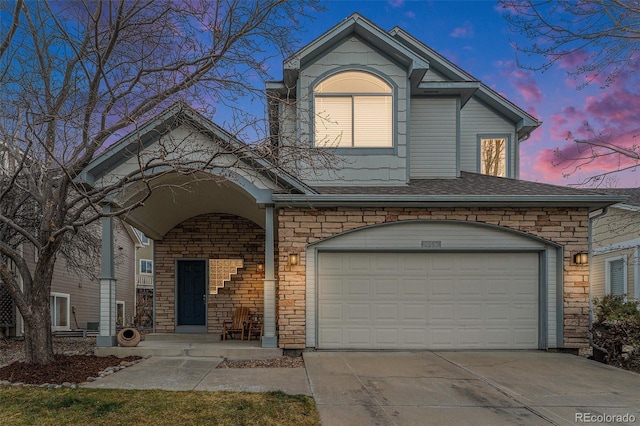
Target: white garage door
{"x": 427, "y": 300}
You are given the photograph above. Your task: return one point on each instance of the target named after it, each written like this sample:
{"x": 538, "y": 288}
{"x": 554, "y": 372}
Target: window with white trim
{"x": 353, "y": 109}
{"x": 146, "y": 266}
{"x": 493, "y": 156}
{"x": 616, "y": 276}
{"x": 120, "y": 313}
{"x": 143, "y": 238}
{"x": 60, "y": 308}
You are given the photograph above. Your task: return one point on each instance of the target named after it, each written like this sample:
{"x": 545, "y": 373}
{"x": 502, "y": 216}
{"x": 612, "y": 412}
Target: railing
{"x": 144, "y": 281}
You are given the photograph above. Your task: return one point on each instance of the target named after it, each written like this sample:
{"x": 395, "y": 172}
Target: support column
{"x": 107, "y": 336}
{"x": 269, "y": 339}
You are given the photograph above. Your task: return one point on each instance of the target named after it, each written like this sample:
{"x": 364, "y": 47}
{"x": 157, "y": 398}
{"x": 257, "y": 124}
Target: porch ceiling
{"x": 176, "y": 198}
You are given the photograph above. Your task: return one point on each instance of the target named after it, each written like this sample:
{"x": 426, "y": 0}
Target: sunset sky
{"x": 475, "y": 36}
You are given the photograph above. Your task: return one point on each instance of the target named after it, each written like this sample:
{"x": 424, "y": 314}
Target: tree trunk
{"x": 37, "y": 323}
{"x": 37, "y": 329}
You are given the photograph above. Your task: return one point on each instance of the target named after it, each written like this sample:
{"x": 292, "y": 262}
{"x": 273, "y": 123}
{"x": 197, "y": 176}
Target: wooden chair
{"x": 255, "y": 327}
{"x": 237, "y": 325}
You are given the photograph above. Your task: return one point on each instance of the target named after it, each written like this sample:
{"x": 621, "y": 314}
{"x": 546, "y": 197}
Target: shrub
{"x": 617, "y": 330}
{"x": 614, "y": 308}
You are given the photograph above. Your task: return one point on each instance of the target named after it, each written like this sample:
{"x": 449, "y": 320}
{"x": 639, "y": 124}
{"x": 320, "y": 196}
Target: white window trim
{"x": 507, "y": 151}
{"x": 152, "y": 266}
{"x": 62, "y": 296}
{"x": 353, "y": 145}
{"x": 124, "y": 312}
{"x": 607, "y": 274}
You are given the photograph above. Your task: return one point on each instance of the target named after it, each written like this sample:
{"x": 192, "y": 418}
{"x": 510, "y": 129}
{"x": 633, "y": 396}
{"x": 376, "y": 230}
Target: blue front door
{"x": 192, "y": 280}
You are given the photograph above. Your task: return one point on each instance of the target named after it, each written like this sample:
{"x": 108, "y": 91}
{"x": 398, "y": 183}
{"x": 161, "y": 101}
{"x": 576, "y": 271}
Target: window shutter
{"x": 616, "y": 277}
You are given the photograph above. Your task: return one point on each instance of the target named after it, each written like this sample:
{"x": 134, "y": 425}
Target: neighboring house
{"x": 75, "y": 296}
{"x": 615, "y": 265}
{"x": 144, "y": 281}
{"x": 421, "y": 235}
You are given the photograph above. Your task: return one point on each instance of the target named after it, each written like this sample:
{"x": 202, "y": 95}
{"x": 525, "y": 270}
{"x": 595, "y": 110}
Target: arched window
{"x": 353, "y": 109}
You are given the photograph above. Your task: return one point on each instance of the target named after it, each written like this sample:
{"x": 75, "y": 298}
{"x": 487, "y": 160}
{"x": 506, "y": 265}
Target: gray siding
{"x": 433, "y": 138}
{"x": 616, "y": 234}
{"x": 84, "y": 292}
{"x": 359, "y": 166}
{"x": 598, "y": 272}
{"x": 477, "y": 118}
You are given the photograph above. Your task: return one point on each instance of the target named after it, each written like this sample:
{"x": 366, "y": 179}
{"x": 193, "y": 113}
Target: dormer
{"x": 392, "y": 110}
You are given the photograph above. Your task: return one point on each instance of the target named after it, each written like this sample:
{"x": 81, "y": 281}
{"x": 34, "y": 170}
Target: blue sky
{"x": 475, "y": 36}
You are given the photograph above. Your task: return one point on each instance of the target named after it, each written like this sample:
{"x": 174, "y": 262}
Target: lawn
{"x": 40, "y": 406}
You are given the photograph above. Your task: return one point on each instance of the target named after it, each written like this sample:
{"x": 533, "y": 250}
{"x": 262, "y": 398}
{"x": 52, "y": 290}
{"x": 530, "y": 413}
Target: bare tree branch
{"x": 78, "y": 74}
{"x": 606, "y": 34}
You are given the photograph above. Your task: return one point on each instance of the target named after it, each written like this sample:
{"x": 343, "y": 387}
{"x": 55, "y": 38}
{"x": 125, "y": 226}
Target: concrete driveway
{"x": 469, "y": 387}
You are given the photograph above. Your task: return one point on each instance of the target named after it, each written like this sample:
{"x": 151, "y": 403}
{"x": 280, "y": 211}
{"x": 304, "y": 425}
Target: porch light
{"x": 293, "y": 259}
{"x": 581, "y": 258}
{"x": 260, "y": 267}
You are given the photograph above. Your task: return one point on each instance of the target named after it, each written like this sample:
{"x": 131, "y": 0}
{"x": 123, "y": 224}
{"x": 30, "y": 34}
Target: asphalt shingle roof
{"x": 466, "y": 184}
{"x": 633, "y": 193}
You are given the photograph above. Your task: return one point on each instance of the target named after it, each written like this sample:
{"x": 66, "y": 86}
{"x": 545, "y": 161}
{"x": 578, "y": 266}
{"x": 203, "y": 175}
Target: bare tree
{"x": 493, "y": 156}
{"x": 604, "y": 34}
{"x": 74, "y": 76}
{"x": 597, "y": 147}
{"x": 598, "y": 40}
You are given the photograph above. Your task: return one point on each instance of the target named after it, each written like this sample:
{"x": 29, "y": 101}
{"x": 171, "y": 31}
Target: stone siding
{"x": 211, "y": 236}
{"x": 299, "y": 227}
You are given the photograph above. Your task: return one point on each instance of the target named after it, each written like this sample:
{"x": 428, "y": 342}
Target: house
{"x": 144, "y": 281}
{"x": 413, "y": 231}
{"x": 615, "y": 266}
{"x": 74, "y": 294}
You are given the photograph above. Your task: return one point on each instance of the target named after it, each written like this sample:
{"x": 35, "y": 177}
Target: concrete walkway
{"x": 179, "y": 373}
{"x": 468, "y": 387}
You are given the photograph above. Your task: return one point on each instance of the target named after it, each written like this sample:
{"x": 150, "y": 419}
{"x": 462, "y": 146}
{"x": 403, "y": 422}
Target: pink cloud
{"x": 615, "y": 109}
{"x": 465, "y": 31}
{"x": 568, "y": 119}
{"x": 395, "y": 3}
{"x": 573, "y": 59}
{"x": 578, "y": 161}
{"x": 523, "y": 81}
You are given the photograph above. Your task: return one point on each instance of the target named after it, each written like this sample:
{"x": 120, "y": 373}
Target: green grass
{"x": 39, "y": 406}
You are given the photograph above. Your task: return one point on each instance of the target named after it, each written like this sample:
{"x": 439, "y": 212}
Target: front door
{"x": 191, "y": 296}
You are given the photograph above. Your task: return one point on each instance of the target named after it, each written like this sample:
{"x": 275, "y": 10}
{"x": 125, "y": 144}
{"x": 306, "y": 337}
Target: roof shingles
{"x": 466, "y": 184}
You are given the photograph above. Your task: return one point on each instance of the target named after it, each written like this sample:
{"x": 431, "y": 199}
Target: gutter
{"x": 403, "y": 200}
{"x": 591, "y": 219}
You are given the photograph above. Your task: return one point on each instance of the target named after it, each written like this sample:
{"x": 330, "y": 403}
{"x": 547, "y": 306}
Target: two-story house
{"x": 417, "y": 234}
{"x": 615, "y": 261}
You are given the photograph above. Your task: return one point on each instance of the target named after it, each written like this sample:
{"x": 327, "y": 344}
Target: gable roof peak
{"x": 364, "y": 29}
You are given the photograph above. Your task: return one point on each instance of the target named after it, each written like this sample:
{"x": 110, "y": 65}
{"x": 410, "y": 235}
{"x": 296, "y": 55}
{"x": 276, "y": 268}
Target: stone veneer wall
{"x": 211, "y": 236}
{"x": 299, "y": 227}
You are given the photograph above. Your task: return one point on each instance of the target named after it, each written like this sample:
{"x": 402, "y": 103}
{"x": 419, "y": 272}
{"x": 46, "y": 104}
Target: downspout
{"x": 591, "y": 219}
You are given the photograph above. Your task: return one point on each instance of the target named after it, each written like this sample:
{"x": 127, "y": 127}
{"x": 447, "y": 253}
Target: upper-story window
{"x": 493, "y": 156}
{"x": 146, "y": 266}
{"x": 353, "y": 109}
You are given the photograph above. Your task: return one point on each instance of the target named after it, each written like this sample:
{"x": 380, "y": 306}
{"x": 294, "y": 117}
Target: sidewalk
{"x": 179, "y": 373}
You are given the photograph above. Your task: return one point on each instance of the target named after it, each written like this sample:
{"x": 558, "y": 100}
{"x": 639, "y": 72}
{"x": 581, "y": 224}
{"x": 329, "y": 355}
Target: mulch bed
{"x": 281, "y": 362}
{"x": 66, "y": 368}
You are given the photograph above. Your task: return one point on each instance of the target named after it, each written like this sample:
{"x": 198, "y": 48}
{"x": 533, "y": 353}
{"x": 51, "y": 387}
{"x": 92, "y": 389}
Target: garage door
{"x": 427, "y": 300}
